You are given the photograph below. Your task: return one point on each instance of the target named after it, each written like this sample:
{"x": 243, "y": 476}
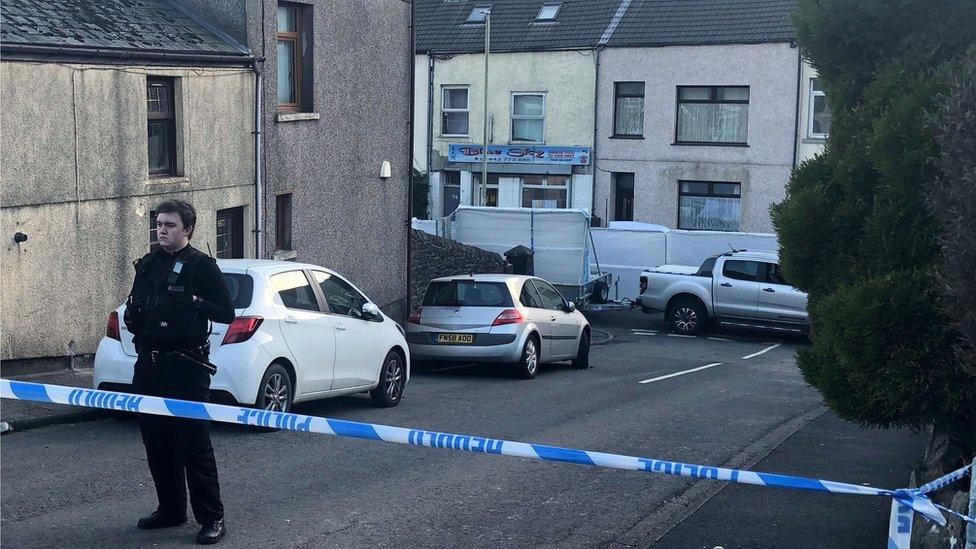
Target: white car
{"x": 301, "y": 332}
{"x": 520, "y": 320}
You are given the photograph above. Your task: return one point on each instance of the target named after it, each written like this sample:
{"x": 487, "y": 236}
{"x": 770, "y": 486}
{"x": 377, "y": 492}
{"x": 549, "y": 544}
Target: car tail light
{"x": 508, "y": 316}
{"x": 415, "y": 316}
{"x": 242, "y": 329}
{"x": 112, "y": 329}
{"x": 643, "y": 284}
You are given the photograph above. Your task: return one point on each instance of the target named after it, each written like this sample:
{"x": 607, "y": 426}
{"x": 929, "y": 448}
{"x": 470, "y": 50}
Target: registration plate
{"x": 455, "y": 338}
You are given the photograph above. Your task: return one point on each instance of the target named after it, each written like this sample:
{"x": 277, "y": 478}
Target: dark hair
{"x": 188, "y": 215}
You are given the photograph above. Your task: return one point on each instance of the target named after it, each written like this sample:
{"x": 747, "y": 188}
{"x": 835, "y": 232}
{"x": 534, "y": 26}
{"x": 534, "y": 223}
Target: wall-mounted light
{"x": 385, "y": 171}
{"x": 20, "y": 237}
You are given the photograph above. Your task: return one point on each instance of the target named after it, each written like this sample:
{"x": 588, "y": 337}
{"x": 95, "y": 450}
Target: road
{"x": 733, "y": 399}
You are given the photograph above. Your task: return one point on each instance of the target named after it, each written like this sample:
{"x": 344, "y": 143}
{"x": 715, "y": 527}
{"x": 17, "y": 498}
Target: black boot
{"x": 212, "y": 532}
{"x": 158, "y": 519}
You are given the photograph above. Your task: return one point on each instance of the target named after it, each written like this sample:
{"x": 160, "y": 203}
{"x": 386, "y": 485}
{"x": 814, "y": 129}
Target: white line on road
{"x": 676, "y": 374}
{"x": 682, "y": 335}
{"x": 719, "y": 339}
{"x": 766, "y": 350}
{"x": 645, "y": 333}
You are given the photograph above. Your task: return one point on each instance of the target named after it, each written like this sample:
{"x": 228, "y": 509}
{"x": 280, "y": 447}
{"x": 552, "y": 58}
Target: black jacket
{"x": 161, "y": 312}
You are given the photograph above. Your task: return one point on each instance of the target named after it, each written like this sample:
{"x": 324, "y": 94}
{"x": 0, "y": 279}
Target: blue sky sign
{"x": 520, "y": 154}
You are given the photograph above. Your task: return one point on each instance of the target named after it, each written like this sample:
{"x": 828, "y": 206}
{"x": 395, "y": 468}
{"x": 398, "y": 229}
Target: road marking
{"x": 449, "y": 368}
{"x": 676, "y": 374}
{"x": 643, "y": 330}
{"x": 645, "y": 333}
{"x": 719, "y": 339}
{"x": 766, "y": 350}
{"x": 682, "y": 335}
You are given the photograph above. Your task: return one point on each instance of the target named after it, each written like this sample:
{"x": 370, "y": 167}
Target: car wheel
{"x": 276, "y": 392}
{"x": 528, "y": 365}
{"x": 393, "y": 378}
{"x": 687, "y": 316}
{"x": 582, "y": 360}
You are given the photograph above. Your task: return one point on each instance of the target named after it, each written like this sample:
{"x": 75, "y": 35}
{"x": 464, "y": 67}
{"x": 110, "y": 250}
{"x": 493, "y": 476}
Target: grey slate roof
{"x": 131, "y": 26}
{"x": 699, "y": 22}
{"x": 581, "y": 23}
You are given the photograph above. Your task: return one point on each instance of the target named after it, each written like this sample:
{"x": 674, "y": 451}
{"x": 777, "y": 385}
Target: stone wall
{"x": 942, "y": 456}
{"x": 432, "y": 256}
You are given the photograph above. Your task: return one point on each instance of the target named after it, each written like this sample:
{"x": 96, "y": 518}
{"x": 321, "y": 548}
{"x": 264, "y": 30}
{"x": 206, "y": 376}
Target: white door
{"x": 736, "y": 289}
{"x": 778, "y": 301}
{"x": 563, "y": 340}
{"x": 307, "y": 330}
{"x": 357, "y": 339}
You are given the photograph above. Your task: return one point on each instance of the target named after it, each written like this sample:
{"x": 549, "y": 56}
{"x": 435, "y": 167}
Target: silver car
{"x": 519, "y": 320}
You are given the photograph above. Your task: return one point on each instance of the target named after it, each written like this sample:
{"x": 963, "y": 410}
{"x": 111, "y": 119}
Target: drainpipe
{"x": 430, "y": 112}
{"x": 796, "y": 120}
{"x": 596, "y": 124}
{"x": 258, "y": 164}
{"x": 410, "y": 66}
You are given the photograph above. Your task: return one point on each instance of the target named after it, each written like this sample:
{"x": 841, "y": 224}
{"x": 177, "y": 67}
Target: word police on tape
{"x": 905, "y": 502}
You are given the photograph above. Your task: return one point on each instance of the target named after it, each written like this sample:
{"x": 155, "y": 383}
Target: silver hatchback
{"x": 518, "y": 320}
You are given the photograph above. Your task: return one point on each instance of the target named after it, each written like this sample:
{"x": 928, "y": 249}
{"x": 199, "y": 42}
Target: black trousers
{"x": 178, "y": 450}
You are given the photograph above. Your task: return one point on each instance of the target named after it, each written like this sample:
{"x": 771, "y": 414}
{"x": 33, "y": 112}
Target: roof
{"x": 484, "y": 277}
{"x": 583, "y": 24}
{"x": 703, "y": 22}
{"x": 578, "y": 25}
{"x": 265, "y": 266}
{"x": 133, "y": 29}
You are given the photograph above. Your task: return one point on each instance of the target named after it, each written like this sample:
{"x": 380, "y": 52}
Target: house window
{"x": 161, "y": 112}
{"x": 716, "y": 114}
{"x": 452, "y": 191}
{"x": 153, "y": 234}
{"x": 547, "y": 13}
{"x": 294, "y": 57}
{"x": 623, "y": 196}
{"x": 454, "y": 111}
{"x": 628, "y": 104}
{"x": 283, "y": 221}
{"x": 478, "y": 15}
{"x": 545, "y": 191}
{"x": 230, "y": 233}
{"x": 528, "y": 117}
{"x": 707, "y": 205}
{"x": 820, "y": 115}
{"x": 491, "y": 191}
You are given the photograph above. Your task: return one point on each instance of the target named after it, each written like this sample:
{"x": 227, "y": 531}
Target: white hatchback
{"x": 301, "y": 332}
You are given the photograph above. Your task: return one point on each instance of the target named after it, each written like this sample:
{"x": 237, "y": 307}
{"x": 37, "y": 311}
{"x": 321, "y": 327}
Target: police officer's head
{"x": 175, "y": 221}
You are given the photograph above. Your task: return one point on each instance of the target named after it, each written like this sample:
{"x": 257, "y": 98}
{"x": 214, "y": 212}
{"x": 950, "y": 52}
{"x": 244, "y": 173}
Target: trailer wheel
{"x": 601, "y": 292}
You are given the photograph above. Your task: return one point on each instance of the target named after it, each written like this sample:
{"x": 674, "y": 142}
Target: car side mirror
{"x": 370, "y": 310}
{"x": 569, "y": 307}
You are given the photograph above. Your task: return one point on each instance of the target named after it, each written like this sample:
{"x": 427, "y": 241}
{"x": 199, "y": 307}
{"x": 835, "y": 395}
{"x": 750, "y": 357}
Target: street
{"x": 85, "y": 484}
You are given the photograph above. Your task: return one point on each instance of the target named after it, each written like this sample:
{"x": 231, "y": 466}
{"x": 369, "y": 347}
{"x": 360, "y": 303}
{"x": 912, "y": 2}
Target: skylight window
{"x": 547, "y": 12}
{"x": 478, "y": 15}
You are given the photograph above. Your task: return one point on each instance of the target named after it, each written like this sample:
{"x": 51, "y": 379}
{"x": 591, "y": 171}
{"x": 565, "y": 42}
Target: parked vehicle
{"x": 302, "y": 332}
{"x": 739, "y": 288}
{"x": 520, "y": 320}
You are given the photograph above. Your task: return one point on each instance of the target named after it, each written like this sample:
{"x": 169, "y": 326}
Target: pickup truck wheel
{"x": 687, "y": 316}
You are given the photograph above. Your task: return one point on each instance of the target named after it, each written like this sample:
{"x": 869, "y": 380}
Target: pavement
{"x": 21, "y": 415}
{"x": 727, "y": 399}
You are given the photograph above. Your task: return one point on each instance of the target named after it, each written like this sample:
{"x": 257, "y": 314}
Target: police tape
{"x": 905, "y": 501}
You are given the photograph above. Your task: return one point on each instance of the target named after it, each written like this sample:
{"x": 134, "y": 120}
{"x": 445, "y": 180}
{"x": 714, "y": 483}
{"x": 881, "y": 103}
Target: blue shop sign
{"x": 520, "y": 154}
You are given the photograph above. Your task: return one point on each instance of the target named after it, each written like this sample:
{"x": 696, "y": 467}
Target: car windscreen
{"x": 467, "y": 293}
{"x": 240, "y": 287}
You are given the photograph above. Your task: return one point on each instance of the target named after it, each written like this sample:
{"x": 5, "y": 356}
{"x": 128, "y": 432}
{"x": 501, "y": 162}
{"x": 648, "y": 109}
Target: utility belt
{"x": 193, "y": 355}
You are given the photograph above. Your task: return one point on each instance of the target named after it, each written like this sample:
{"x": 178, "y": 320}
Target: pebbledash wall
{"x": 762, "y": 167}
{"x": 74, "y": 179}
{"x": 434, "y": 257}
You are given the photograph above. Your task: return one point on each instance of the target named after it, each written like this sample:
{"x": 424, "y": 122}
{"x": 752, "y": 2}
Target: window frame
{"x": 552, "y": 18}
{"x": 279, "y": 223}
{"x": 466, "y": 110}
{"x": 513, "y": 117}
{"x": 169, "y": 121}
{"x": 617, "y": 95}
{"x": 810, "y": 104}
{"x": 713, "y": 92}
{"x": 546, "y": 186}
{"x": 484, "y": 9}
{"x": 709, "y": 194}
{"x": 295, "y": 38}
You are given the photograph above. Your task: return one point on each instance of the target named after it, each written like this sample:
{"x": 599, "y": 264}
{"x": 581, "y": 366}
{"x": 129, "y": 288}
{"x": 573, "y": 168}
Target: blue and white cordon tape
{"x": 905, "y": 501}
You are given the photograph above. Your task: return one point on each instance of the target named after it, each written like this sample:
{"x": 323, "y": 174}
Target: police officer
{"x": 176, "y": 291}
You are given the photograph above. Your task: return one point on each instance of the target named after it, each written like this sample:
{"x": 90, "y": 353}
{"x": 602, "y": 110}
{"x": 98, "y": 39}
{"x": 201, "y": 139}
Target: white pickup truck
{"x": 739, "y": 288}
